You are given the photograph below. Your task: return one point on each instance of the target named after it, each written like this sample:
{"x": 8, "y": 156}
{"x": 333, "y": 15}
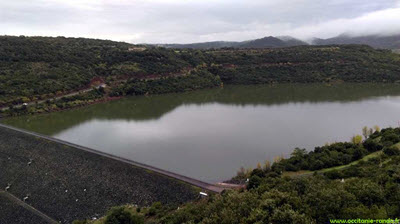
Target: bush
{"x": 387, "y": 143}
{"x": 257, "y": 172}
{"x": 334, "y": 174}
{"x": 391, "y": 151}
{"x": 122, "y": 216}
{"x": 352, "y": 171}
{"x": 272, "y": 175}
{"x": 390, "y": 136}
{"x": 254, "y": 182}
{"x": 316, "y": 165}
{"x": 155, "y": 208}
{"x": 358, "y": 153}
{"x": 372, "y": 146}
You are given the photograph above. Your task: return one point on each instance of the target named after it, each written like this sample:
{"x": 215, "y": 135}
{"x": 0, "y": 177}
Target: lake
{"x": 210, "y": 134}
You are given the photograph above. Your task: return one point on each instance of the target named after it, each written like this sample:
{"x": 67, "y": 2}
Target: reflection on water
{"x": 209, "y": 134}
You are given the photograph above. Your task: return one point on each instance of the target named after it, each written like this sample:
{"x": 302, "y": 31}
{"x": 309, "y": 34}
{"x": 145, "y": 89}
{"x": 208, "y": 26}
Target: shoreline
{"x": 106, "y": 99}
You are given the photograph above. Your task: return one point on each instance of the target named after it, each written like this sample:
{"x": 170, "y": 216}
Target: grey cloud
{"x": 37, "y": 14}
{"x": 160, "y": 21}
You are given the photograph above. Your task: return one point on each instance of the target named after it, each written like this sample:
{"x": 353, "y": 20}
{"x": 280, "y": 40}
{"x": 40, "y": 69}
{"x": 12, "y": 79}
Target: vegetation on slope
{"x": 368, "y": 189}
{"x": 198, "y": 79}
{"x": 51, "y": 105}
{"x": 306, "y": 64}
{"x": 338, "y": 154}
{"x": 35, "y": 69}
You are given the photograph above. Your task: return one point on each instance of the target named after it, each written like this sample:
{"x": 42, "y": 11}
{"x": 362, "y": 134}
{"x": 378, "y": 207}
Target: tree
{"x": 254, "y": 182}
{"x": 300, "y": 153}
{"x": 287, "y": 215}
{"x": 241, "y": 173}
{"x": 267, "y": 166}
{"x": 358, "y": 153}
{"x": 372, "y": 146}
{"x": 277, "y": 159}
{"x": 357, "y": 139}
{"x": 367, "y": 132}
{"x": 366, "y": 191}
{"x": 391, "y": 137}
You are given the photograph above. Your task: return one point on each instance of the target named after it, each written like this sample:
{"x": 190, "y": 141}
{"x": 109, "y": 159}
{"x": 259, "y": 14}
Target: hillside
{"x": 50, "y": 74}
{"x": 376, "y": 41}
{"x": 34, "y": 68}
{"x": 306, "y": 64}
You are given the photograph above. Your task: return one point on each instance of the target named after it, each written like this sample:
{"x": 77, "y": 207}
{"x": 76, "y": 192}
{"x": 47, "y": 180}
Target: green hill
{"x": 36, "y": 69}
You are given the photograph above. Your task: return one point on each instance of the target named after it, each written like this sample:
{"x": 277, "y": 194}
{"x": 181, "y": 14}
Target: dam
{"x": 47, "y": 180}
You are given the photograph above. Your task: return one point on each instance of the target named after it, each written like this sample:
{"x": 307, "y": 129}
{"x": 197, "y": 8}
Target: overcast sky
{"x": 185, "y": 21}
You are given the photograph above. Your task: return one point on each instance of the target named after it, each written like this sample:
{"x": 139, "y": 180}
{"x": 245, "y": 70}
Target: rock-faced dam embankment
{"x": 66, "y": 183}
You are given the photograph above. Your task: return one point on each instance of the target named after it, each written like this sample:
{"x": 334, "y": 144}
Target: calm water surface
{"x": 210, "y": 134}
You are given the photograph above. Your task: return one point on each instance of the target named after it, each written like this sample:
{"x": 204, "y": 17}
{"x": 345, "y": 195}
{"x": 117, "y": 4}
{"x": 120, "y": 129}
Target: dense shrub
{"x": 196, "y": 80}
{"x": 334, "y": 174}
{"x": 371, "y": 145}
{"x": 391, "y": 151}
{"x": 121, "y": 216}
{"x": 341, "y": 153}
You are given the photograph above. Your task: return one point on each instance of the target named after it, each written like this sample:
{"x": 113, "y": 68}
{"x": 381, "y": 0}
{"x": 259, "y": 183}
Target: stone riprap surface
{"x": 67, "y": 183}
{"x": 13, "y": 212}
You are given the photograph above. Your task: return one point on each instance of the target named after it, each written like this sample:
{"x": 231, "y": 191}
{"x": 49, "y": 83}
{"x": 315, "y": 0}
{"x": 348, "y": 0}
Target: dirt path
{"x": 55, "y": 98}
{"x": 74, "y": 93}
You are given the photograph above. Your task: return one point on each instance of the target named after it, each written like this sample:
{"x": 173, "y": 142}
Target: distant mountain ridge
{"x": 265, "y": 42}
{"x": 376, "y": 41}
{"x": 271, "y": 42}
